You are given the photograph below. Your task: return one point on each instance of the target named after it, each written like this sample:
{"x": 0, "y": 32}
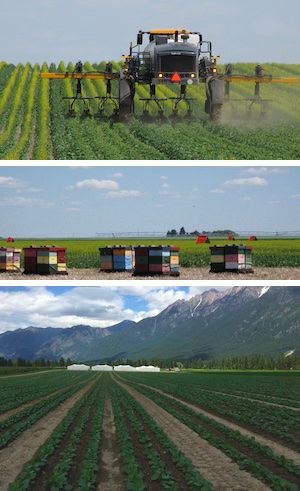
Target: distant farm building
{"x": 148, "y": 368}
{"x": 102, "y": 368}
{"x": 78, "y": 367}
{"x": 124, "y": 368}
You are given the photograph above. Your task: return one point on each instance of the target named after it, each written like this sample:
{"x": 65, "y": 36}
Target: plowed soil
{"x": 14, "y": 456}
{"x": 212, "y": 464}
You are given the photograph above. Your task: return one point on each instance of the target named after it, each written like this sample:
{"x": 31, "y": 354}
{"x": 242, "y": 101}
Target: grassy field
{"x": 160, "y": 431}
{"x": 83, "y": 253}
{"x": 34, "y": 122}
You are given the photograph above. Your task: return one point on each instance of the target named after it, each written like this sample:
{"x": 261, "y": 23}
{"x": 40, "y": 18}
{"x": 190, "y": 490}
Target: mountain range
{"x": 235, "y": 321}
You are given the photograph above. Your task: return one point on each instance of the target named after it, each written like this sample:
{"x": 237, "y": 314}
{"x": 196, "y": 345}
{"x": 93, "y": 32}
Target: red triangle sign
{"x": 176, "y": 77}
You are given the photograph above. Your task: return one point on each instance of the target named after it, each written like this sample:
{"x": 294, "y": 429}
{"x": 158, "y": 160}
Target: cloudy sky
{"x": 59, "y": 306}
{"x": 95, "y": 30}
{"x": 82, "y": 201}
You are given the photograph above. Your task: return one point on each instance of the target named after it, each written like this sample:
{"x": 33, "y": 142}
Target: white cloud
{"x": 117, "y": 174}
{"x": 245, "y": 198}
{"x": 163, "y": 178}
{"x": 247, "y": 181}
{"x": 217, "y": 191}
{"x": 165, "y": 185}
{"x": 295, "y": 196}
{"x": 11, "y": 182}
{"x": 124, "y": 193}
{"x": 94, "y": 184}
{"x": 255, "y": 170}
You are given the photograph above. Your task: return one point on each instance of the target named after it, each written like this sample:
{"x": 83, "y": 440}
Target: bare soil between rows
{"x": 22, "y": 449}
{"x": 288, "y": 449}
{"x": 212, "y": 464}
{"x": 260, "y": 273}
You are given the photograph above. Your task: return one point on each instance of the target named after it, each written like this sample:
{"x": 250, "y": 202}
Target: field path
{"x": 213, "y": 465}
{"x": 276, "y": 447}
{"x": 111, "y": 477}
{"x": 24, "y": 374}
{"x": 261, "y": 273}
{"x": 14, "y": 456}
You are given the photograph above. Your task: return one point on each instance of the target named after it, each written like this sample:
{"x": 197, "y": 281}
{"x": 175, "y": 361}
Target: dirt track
{"x": 276, "y": 447}
{"x": 185, "y": 274}
{"x": 22, "y": 449}
{"x": 224, "y": 474}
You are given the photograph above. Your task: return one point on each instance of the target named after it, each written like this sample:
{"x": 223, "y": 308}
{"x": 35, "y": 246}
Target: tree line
{"x": 251, "y": 362}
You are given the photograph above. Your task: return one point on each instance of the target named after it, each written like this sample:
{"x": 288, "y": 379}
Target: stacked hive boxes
{"x": 217, "y": 259}
{"x": 106, "y": 258}
{"x": 10, "y": 259}
{"x": 141, "y": 260}
{"x": 231, "y": 258}
{"x": 45, "y": 260}
{"x": 117, "y": 258}
{"x": 157, "y": 260}
{"x": 238, "y": 258}
{"x": 123, "y": 258}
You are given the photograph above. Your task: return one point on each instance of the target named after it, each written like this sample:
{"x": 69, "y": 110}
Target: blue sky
{"x": 94, "y": 30}
{"x": 82, "y": 201}
{"x": 56, "y": 306}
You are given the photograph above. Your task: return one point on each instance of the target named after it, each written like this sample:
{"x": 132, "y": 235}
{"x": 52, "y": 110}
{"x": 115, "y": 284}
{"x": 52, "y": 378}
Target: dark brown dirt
{"x": 213, "y": 465}
{"x": 185, "y": 274}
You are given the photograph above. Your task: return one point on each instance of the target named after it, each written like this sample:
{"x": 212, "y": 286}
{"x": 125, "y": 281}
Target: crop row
{"x": 139, "y": 435}
{"x": 70, "y": 428}
{"x": 274, "y": 421}
{"x": 25, "y": 418}
{"x": 246, "y": 452}
{"x": 16, "y": 391}
{"x": 35, "y": 124}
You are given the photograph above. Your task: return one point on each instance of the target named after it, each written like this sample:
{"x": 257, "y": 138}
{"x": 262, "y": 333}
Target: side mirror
{"x": 139, "y": 39}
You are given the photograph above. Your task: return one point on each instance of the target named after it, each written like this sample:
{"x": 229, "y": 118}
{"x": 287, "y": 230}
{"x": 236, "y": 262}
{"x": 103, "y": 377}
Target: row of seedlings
{"x": 10, "y": 259}
{"x": 45, "y": 260}
{"x": 231, "y": 258}
{"x": 142, "y": 260}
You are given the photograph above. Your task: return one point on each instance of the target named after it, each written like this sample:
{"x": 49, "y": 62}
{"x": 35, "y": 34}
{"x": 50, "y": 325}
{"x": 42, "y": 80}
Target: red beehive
{"x": 202, "y": 239}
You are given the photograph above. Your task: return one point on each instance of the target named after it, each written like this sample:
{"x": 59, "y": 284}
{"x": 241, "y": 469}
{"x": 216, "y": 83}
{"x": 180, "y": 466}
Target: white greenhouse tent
{"x": 147, "y": 368}
{"x": 102, "y": 368}
{"x": 124, "y": 368}
{"x": 78, "y": 367}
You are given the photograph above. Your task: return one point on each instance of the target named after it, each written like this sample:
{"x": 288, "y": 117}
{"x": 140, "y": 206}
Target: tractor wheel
{"x": 216, "y": 113}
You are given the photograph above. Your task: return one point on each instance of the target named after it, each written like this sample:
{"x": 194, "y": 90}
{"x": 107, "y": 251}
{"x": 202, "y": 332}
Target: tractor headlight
{"x": 160, "y": 75}
{"x": 193, "y": 75}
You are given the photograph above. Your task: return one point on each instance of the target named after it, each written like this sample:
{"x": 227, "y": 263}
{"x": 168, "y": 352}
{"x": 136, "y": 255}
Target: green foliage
{"x": 45, "y": 123}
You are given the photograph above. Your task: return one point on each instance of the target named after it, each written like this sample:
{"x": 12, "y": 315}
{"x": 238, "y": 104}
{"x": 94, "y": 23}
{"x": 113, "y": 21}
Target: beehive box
{"x": 217, "y": 259}
{"x": 161, "y": 260}
{"x": 231, "y": 258}
{"x": 45, "y": 260}
{"x": 10, "y": 259}
{"x": 117, "y": 258}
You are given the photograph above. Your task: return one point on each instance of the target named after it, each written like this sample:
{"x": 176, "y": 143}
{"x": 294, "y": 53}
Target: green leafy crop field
{"x": 34, "y": 122}
{"x": 83, "y": 253}
{"x": 161, "y": 431}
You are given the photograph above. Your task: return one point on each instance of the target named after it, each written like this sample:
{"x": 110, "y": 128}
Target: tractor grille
{"x": 177, "y": 63}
